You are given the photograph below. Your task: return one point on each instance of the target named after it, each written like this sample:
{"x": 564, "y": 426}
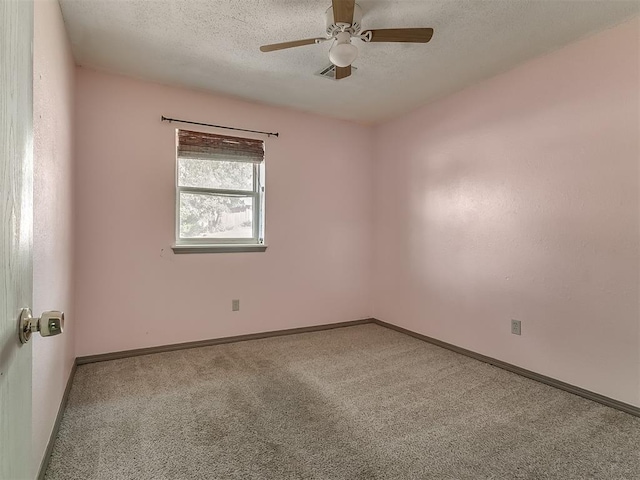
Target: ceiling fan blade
{"x": 295, "y": 43}
{"x": 411, "y": 35}
{"x": 343, "y": 72}
{"x": 343, "y": 11}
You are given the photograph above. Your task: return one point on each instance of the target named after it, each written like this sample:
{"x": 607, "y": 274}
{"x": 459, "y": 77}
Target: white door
{"x": 16, "y": 225}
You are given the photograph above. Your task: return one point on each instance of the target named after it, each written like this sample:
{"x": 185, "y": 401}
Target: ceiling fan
{"x": 343, "y": 23}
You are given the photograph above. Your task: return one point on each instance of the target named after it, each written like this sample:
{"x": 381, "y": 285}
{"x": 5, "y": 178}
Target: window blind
{"x": 219, "y": 147}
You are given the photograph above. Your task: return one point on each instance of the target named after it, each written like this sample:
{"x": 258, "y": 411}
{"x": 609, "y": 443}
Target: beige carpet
{"x": 362, "y": 402}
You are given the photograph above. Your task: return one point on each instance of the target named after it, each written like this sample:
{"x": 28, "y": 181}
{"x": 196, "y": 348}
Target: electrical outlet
{"x": 235, "y": 305}
{"x": 516, "y": 327}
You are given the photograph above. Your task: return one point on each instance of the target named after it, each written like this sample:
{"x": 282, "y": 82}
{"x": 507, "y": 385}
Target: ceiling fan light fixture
{"x": 343, "y": 53}
{"x": 343, "y": 22}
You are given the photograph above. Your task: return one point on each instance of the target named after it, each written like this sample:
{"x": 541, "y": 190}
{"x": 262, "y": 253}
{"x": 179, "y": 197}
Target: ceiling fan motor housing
{"x": 334, "y": 28}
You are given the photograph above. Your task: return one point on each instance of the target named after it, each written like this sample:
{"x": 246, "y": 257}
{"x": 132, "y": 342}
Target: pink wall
{"x": 133, "y": 291}
{"x": 518, "y": 198}
{"x": 53, "y": 91}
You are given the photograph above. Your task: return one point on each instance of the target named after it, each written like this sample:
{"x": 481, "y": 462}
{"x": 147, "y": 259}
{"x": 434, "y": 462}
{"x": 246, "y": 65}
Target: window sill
{"x": 218, "y": 248}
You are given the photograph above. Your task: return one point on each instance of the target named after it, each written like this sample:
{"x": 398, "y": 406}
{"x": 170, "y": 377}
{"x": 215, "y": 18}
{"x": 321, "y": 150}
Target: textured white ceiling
{"x": 214, "y": 45}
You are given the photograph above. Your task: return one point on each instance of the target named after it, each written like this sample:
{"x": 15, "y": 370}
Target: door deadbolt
{"x": 49, "y": 324}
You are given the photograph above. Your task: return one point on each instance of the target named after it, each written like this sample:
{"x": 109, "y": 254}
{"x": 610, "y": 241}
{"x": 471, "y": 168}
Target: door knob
{"x": 49, "y": 324}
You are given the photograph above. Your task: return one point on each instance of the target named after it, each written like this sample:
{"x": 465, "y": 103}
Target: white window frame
{"x": 257, "y": 194}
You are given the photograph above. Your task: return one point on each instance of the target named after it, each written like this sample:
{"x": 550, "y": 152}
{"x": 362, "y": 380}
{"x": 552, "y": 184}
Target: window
{"x": 220, "y": 191}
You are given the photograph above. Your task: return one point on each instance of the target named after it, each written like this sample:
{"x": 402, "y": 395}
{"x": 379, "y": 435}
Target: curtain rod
{"x": 269, "y": 134}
